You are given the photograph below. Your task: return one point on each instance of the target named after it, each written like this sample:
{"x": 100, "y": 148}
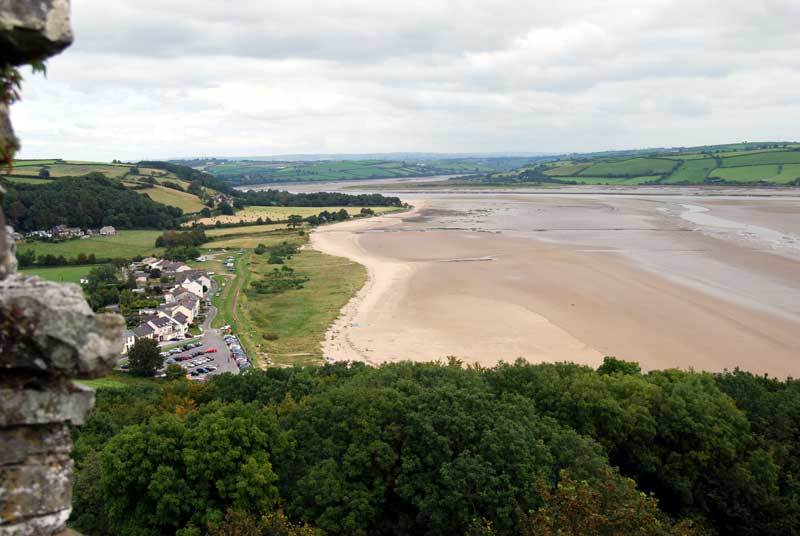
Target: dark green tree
{"x": 295, "y": 220}
{"x": 144, "y": 358}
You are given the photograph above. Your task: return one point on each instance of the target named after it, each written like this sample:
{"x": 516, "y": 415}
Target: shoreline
{"x": 337, "y": 345}
{"x": 452, "y": 277}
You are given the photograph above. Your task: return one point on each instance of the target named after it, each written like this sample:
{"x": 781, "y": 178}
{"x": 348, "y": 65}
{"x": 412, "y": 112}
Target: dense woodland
{"x": 91, "y": 201}
{"x": 443, "y": 449}
{"x": 317, "y": 199}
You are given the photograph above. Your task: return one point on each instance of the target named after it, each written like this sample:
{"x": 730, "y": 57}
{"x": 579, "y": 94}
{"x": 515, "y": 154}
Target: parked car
{"x": 211, "y": 351}
{"x": 169, "y": 361}
{"x": 211, "y": 368}
{"x": 194, "y": 373}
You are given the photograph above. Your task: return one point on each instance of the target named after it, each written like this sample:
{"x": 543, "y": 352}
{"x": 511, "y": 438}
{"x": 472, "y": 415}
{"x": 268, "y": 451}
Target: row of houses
{"x": 62, "y": 232}
{"x": 171, "y": 319}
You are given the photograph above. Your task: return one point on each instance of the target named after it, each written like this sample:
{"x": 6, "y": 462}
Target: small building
{"x": 108, "y": 230}
{"x": 144, "y": 331}
{"x": 194, "y": 287}
{"x": 129, "y": 339}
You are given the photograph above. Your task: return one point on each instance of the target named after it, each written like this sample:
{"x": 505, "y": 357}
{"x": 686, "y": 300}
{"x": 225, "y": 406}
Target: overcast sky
{"x": 166, "y": 78}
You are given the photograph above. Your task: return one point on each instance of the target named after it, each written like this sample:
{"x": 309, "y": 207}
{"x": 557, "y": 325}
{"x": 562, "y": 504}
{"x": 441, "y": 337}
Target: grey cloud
{"x": 160, "y": 78}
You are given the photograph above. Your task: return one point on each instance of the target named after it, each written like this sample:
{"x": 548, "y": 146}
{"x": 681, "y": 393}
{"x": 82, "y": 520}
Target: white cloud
{"x": 171, "y": 78}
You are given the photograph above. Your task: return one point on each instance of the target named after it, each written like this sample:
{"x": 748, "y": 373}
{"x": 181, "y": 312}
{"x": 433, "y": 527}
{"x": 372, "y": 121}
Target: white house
{"x": 173, "y": 329}
{"x": 129, "y": 338}
{"x": 177, "y": 307}
{"x": 165, "y": 328}
{"x": 108, "y": 230}
{"x": 194, "y": 275}
{"x": 194, "y": 287}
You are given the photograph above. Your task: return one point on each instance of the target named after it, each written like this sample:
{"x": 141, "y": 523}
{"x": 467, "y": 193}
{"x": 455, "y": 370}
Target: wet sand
{"x": 670, "y": 281}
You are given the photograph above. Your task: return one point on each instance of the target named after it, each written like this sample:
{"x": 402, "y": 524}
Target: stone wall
{"x": 48, "y": 333}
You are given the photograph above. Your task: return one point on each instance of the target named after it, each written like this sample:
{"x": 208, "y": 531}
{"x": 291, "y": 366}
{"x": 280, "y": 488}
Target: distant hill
{"x": 241, "y": 172}
{"x": 171, "y": 184}
{"x": 764, "y": 163}
{"x": 91, "y": 201}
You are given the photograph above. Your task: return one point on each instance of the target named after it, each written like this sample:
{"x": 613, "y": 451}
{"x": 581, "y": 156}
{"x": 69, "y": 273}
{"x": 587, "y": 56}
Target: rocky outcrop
{"x": 48, "y": 333}
{"x": 32, "y": 30}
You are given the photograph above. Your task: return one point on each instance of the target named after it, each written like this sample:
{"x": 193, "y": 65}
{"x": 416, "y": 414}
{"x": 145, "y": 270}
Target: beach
{"x": 702, "y": 282}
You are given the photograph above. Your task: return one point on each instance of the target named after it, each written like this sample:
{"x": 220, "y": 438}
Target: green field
{"x": 694, "y": 171}
{"x": 567, "y": 169}
{"x": 60, "y": 274}
{"x": 774, "y": 163}
{"x": 248, "y": 241}
{"x": 70, "y": 169}
{"x": 120, "y": 380}
{"x": 185, "y": 201}
{"x": 125, "y": 244}
{"x": 299, "y": 318}
{"x": 770, "y": 157}
{"x": 633, "y": 166}
{"x": 769, "y": 172}
{"x": 612, "y": 180}
{"x": 245, "y": 230}
{"x": 251, "y": 214}
{"x": 294, "y": 321}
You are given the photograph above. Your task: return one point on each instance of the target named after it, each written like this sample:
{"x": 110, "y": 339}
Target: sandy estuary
{"x": 707, "y": 282}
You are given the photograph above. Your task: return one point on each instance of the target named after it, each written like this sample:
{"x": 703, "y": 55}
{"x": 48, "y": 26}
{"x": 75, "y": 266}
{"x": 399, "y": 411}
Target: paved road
{"x": 212, "y": 338}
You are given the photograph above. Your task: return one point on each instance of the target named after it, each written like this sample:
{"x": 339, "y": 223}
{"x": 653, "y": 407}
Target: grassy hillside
{"x": 60, "y": 274}
{"x": 132, "y": 176}
{"x": 737, "y": 164}
{"x": 629, "y": 167}
{"x": 125, "y": 244}
{"x": 183, "y": 200}
{"x": 254, "y": 172}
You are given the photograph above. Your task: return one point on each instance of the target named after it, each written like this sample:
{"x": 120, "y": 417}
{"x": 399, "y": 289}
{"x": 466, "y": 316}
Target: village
{"x": 177, "y": 313}
{"x": 62, "y": 232}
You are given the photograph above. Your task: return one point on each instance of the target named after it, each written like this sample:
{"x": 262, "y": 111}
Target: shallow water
{"x": 669, "y": 280}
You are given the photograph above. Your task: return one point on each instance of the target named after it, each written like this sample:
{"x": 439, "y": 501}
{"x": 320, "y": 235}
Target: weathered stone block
{"x": 36, "y": 489}
{"x": 34, "y": 404}
{"x": 21, "y": 443}
{"x": 33, "y": 29}
{"x": 48, "y": 326}
{"x": 40, "y": 526}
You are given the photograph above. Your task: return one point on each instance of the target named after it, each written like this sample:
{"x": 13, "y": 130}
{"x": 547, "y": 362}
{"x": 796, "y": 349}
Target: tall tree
{"x": 144, "y": 358}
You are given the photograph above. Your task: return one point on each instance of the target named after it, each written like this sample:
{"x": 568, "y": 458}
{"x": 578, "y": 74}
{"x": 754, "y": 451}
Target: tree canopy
{"x": 411, "y": 448}
{"x": 91, "y": 201}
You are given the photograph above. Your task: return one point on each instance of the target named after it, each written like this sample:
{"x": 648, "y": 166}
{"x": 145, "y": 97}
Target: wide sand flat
{"x": 551, "y": 278}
